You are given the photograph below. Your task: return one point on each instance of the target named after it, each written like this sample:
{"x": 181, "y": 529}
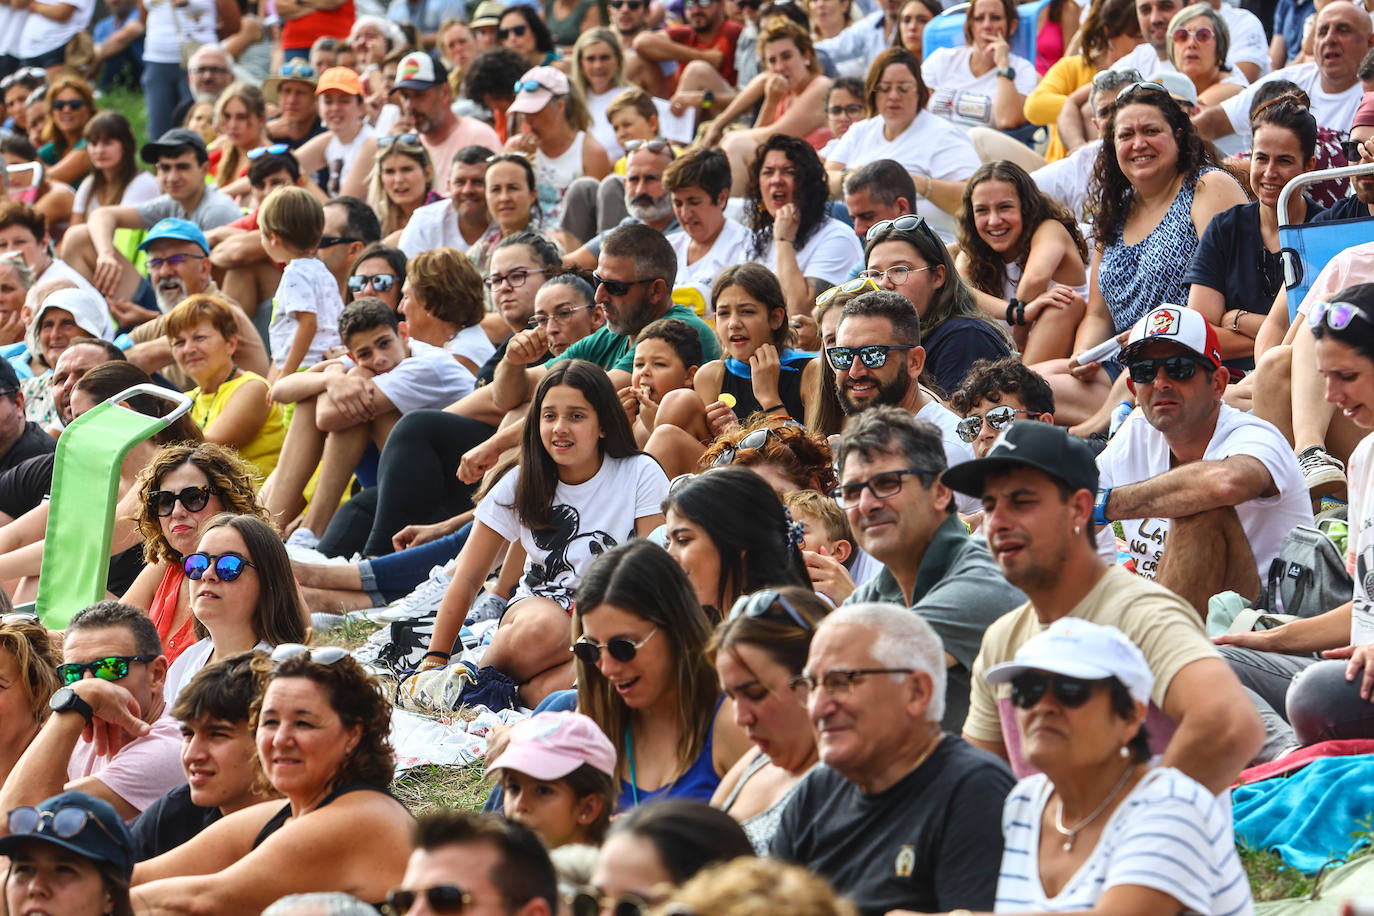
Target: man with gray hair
{"x": 646, "y": 200}
{"x": 880, "y": 190}
{"x": 898, "y": 815}
{"x": 335, "y": 903}
{"x": 903, "y": 516}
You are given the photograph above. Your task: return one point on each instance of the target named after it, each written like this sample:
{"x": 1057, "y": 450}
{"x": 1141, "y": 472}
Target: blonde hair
{"x": 295, "y": 217}
{"x": 231, "y": 160}
{"x": 823, "y": 509}
{"x": 757, "y": 887}
{"x": 387, "y": 212}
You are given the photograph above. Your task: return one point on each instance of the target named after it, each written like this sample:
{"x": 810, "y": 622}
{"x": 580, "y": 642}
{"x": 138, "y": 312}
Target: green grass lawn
{"x": 130, "y": 104}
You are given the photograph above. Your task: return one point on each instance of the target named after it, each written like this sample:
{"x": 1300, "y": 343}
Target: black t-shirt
{"x": 168, "y": 822}
{"x": 930, "y": 843}
{"x": 23, "y": 486}
{"x": 1346, "y": 208}
{"x": 316, "y": 128}
{"x": 955, "y": 346}
{"x": 32, "y": 442}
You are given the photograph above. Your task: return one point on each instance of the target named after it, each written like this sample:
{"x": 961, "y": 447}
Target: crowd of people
{"x": 830, "y": 428}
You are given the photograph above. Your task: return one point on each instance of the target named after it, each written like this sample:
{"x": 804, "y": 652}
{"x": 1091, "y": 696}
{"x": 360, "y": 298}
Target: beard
{"x": 169, "y": 292}
{"x": 890, "y": 393}
{"x": 647, "y": 209}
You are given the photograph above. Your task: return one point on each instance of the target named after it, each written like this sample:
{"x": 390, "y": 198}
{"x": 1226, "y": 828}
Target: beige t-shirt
{"x": 1159, "y": 622}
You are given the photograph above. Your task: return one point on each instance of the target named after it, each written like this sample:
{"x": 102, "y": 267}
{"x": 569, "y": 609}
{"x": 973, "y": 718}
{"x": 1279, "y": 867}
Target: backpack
{"x": 1308, "y": 577}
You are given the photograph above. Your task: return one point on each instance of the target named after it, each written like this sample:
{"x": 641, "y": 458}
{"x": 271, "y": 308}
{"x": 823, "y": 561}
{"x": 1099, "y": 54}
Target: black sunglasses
{"x": 329, "y": 241}
{"x": 873, "y": 356}
{"x": 1178, "y": 368}
{"x": 380, "y": 282}
{"x": 64, "y": 104}
{"x": 912, "y": 222}
{"x": 442, "y": 898}
{"x": 110, "y": 668}
{"x": 228, "y": 566}
{"x": 631, "y": 5}
{"x": 1071, "y": 692}
{"x": 589, "y": 902}
{"x": 163, "y": 502}
{"x": 618, "y": 287}
{"x": 621, "y": 648}
{"x": 517, "y": 30}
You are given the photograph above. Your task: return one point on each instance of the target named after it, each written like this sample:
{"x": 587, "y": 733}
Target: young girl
{"x": 1025, "y": 259}
{"x": 581, "y": 488}
{"x": 557, "y": 776}
{"x": 306, "y": 309}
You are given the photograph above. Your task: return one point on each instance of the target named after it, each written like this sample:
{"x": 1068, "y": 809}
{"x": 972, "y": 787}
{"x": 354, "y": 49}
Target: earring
{"x": 1125, "y": 751}
{"x": 1077, "y": 529}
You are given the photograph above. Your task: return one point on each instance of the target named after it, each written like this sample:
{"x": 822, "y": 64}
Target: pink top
{"x": 1049, "y": 46}
{"x": 818, "y": 137}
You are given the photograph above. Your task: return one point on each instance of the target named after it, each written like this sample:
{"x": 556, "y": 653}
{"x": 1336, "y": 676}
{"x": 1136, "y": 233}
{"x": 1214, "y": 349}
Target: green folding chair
{"x": 85, "y": 487}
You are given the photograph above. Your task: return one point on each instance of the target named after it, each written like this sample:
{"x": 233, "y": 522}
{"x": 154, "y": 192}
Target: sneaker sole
{"x": 1325, "y": 482}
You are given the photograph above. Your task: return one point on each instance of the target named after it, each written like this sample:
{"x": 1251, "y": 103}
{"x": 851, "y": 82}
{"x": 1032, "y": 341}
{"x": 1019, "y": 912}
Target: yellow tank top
{"x": 265, "y": 448}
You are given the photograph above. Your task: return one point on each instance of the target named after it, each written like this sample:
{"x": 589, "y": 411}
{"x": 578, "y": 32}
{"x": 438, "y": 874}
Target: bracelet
{"x": 437, "y": 654}
{"x": 782, "y": 407}
{"x": 788, "y": 241}
{"x": 929, "y": 182}
{"x": 1011, "y": 311}
{"x": 1235, "y": 322}
{"x": 1020, "y": 313}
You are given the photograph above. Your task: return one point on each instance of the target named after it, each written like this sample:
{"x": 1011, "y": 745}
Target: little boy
{"x": 667, "y": 356}
{"x": 306, "y": 309}
{"x": 827, "y": 542}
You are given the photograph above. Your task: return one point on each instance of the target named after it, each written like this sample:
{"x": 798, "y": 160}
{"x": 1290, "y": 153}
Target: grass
{"x": 441, "y": 788}
{"x": 1271, "y": 879}
{"x": 130, "y": 104}
{"x": 350, "y": 634}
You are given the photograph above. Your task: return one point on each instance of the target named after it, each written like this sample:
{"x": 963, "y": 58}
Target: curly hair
{"x": 749, "y": 886}
{"x": 37, "y": 656}
{"x": 802, "y": 455}
{"x": 988, "y": 380}
{"x": 357, "y": 698}
{"x": 234, "y": 478}
{"x": 987, "y": 268}
{"x": 809, "y": 183}
{"x": 1109, "y": 185}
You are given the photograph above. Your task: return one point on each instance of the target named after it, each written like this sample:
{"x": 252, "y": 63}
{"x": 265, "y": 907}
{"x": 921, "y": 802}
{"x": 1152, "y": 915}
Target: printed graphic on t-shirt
{"x": 568, "y": 551}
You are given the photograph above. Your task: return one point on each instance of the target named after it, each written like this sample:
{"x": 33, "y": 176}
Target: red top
{"x": 164, "y": 611}
{"x": 725, "y": 40}
{"x": 302, "y": 32}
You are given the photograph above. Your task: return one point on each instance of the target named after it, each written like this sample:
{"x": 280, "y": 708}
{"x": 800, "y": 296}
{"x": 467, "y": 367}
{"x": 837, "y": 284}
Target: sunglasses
{"x": 617, "y": 287}
{"x": 320, "y": 655}
{"x": 176, "y": 260}
{"x": 849, "y": 286}
{"x": 26, "y": 74}
{"x": 228, "y": 566}
{"x": 969, "y": 427}
{"x": 442, "y": 898}
{"x": 1071, "y": 692}
{"x": 65, "y": 823}
{"x": 760, "y": 603}
{"x": 65, "y": 104}
{"x": 755, "y": 440}
{"x": 1350, "y": 149}
{"x": 518, "y": 31}
{"x": 852, "y": 111}
{"x": 111, "y": 668}
{"x": 329, "y": 241}
{"x": 653, "y": 146}
{"x": 588, "y": 902}
{"x": 1202, "y": 34}
{"x": 276, "y": 149}
{"x": 873, "y": 356}
{"x": 631, "y": 5}
{"x": 1336, "y": 315}
{"x": 163, "y": 502}
{"x": 294, "y": 70}
{"x": 1178, "y": 368}
{"x": 379, "y": 282}
{"x": 410, "y": 138}
{"x": 912, "y": 222}
{"x": 1142, "y": 86}
{"x": 620, "y": 648}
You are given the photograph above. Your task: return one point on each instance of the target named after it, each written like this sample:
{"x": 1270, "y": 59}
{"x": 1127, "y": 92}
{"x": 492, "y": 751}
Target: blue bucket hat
{"x": 182, "y": 230}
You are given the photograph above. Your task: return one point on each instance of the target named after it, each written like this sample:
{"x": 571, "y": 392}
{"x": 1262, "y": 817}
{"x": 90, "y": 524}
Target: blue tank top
{"x": 698, "y": 783}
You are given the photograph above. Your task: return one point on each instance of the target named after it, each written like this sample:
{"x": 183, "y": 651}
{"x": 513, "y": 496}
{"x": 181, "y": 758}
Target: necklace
{"x": 1071, "y": 833}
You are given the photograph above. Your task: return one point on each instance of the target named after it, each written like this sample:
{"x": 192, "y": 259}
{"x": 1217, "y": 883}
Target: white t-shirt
{"x": 339, "y": 157}
{"x": 1359, "y": 556}
{"x": 429, "y": 377}
{"x": 1248, "y": 44}
{"x": 472, "y": 343}
{"x": 188, "y": 665}
{"x": 1333, "y": 110}
{"x": 1144, "y": 59}
{"x": 1066, "y": 180}
{"x": 931, "y": 146}
{"x": 432, "y": 226}
{"x": 829, "y": 254}
{"x": 957, "y": 451}
{"x": 589, "y": 519}
{"x": 142, "y": 188}
{"x": 1139, "y": 451}
{"x": 42, "y": 34}
{"x": 11, "y": 29}
{"x": 1170, "y": 834}
{"x": 196, "y": 21}
{"x": 730, "y": 247}
{"x": 601, "y": 125}
{"x": 962, "y": 98}
{"x": 306, "y": 286}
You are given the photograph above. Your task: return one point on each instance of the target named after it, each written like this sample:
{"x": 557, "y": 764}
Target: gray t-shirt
{"x": 214, "y": 210}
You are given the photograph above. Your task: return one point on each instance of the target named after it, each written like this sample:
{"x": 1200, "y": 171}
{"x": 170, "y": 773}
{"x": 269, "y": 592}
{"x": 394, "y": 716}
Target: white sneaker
{"x": 303, "y": 537}
{"x": 423, "y": 601}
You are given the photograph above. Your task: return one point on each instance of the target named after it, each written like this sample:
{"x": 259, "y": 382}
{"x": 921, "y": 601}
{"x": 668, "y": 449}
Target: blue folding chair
{"x": 1306, "y": 248}
{"x": 947, "y": 29}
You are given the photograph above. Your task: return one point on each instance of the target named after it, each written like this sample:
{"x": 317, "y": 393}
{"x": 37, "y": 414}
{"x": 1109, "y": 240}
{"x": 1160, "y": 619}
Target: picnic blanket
{"x": 1308, "y": 817}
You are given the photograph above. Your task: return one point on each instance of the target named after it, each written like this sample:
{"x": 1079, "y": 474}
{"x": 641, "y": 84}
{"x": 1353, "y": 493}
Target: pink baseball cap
{"x": 1183, "y": 326}
{"x": 537, "y": 88}
{"x": 553, "y": 744}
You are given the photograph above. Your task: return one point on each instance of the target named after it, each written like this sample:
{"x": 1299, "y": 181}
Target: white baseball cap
{"x": 1080, "y": 648}
{"x": 1183, "y": 326}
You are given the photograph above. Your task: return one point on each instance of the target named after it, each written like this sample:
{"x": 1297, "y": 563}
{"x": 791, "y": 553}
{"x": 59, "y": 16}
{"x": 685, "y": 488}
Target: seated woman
{"x": 323, "y": 727}
{"x": 939, "y": 156}
{"x": 793, "y": 237}
{"x": 183, "y": 487}
{"x": 230, "y": 404}
{"x": 523, "y": 31}
{"x": 513, "y": 200}
{"x": 982, "y": 84}
{"x": 86, "y": 871}
{"x": 1024, "y": 257}
{"x": 243, "y": 596}
{"x": 241, "y": 120}
{"x": 1100, "y": 829}
{"x": 758, "y": 650}
{"x": 435, "y": 290}
{"x": 16, "y": 277}
{"x": 71, "y": 106}
{"x": 844, "y": 107}
{"x": 598, "y": 72}
{"x": 31, "y": 184}
{"x": 698, "y": 182}
{"x": 1198, "y": 44}
{"x": 639, "y": 636}
{"x": 400, "y": 183}
{"x": 903, "y": 255}
{"x": 29, "y": 657}
{"x": 790, "y": 97}
{"x": 115, "y": 179}
{"x": 379, "y": 271}
{"x": 912, "y": 18}
{"x": 1057, "y": 25}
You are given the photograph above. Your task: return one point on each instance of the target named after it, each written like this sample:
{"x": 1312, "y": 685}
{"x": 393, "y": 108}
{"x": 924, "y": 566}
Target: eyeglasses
{"x": 852, "y": 111}
{"x": 589, "y": 902}
{"x": 379, "y": 282}
{"x": 873, "y": 356}
{"x": 228, "y": 566}
{"x": 630, "y": 5}
{"x": 969, "y": 427}
{"x": 911, "y": 222}
{"x": 65, "y": 104}
{"x": 320, "y": 655}
{"x": 561, "y": 316}
{"x": 407, "y": 139}
{"x": 329, "y": 241}
{"x": 175, "y": 260}
{"x": 296, "y": 70}
{"x": 209, "y": 70}
{"x": 1027, "y": 689}
{"x": 1202, "y": 34}
{"x": 442, "y": 898}
{"x": 755, "y": 440}
{"x": 883, "y": 486}
{"x": 516, "y": 30}
{"x": 1336, "y": 315}
{"x": 1178, "y": 368}
{"x": 163, "y": 502}
{"x": 275, "y": 149}
{"x": 700, "y": 4}
{"x": 897, "y": 275}
{"x": 65, "y": 823}
{"x": 617, "y": 287}
{"x": 110, "y": 668}
{"x": 906, "y": 87}
{"x": 839, "y": 682}
{"x": 516, "y": 278}
{"x": 620, "y": 648}
{"x": 760, "y": 603}
{"x": 849, "y": 286}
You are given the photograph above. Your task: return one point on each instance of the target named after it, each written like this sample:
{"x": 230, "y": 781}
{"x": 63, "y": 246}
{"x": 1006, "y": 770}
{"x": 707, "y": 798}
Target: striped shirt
{"x": 1170, "y": 834}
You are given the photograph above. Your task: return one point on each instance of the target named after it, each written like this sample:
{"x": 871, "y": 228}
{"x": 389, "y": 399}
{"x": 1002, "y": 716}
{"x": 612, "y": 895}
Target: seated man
{"x": 483, "y": 854}
{"x": 341, "y": 409}
{"x": 110, "y": 734}
{"x": 704, "y": 51}
{"x": 646, "y": 200}
{"x": 892, "y": 787}
{"x": 1216, "y": 524}
{"x": 218, "y": 755}
{"x": 930, "y": 563}
{"x": 460, "y": 221}
{"x": 20, "y": 438}
{"x": 996, "y": 392}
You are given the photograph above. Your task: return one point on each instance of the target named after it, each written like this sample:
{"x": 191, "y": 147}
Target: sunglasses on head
{"x": 755, "y": 440}
{"x": 163, "y": 502}
{"x": 65, "y": 822}
{"x": 64, "y": 104}
{"x": 760, "y": 603}
{"x": 380, "y": 282}
{"x": 27, "y": 73}
{"x": 1336, "y": 315}
{"x": 873, "y": 356}
{"x": 1142, "y": 86}
{"x": 442, "y": 898}
{"x": 110, "y": 668}
{"x": 1029, "y": 688}
{"x": 1178, "y": 368}
{"x": 228, "y": 566}
{"x": 969, "y": 427}
{"x": 653, "y": 146}
{"x": 320, "y": 655}
{"x": 620, "y": 648}
{"x": 516, "y": 30}
{"x": 849, "y": 286}
{"x": 275, "y": 149}
{"x": 408, "y": 139}
{"x": 912, "y": 222}
{"x": 293, "y": 70}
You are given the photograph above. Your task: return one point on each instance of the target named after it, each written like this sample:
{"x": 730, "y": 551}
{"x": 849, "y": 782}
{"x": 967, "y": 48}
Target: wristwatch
{"x": 1100, "y": 506}
{"x": 66, "y": 699}
{"x": 1008, "y": 72}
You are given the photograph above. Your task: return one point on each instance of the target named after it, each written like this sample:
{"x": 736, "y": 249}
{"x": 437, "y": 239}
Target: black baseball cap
{"x": 173, "y": 143}
{"x": 1032, "y": 444}
{"x": 9, "y": 379}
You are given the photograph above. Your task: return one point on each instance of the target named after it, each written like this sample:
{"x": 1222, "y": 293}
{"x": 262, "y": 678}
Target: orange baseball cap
{"x": 341, "y": 79}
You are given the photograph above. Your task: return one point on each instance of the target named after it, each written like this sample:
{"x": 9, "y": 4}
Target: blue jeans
{"x": 164, "y": 89}
{"x": 395, "y": 575}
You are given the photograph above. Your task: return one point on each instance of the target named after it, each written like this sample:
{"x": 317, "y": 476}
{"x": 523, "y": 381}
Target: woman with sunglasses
{"x": 522, "y": 30}
{"x": 1198, "y": 42}
{"x": 182, "y": 489}
{"x": 323, "y": 733}
{"x": 241, "y": 121}
{"x": 71, "y": 855}
{"x": 1100, "y": 828}
{"x": 1024, "y": 257}
{"x": 512, "y": 200}
{"x": 759, "y": 649}
{"x": 379, "y": 271}
{"x": 243, "y": 596}
{"x": 400, "y": 182}
{"x": 115, "y": 179}
{"x": 639, "y": 637}
{"x": 71, "y": 105}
